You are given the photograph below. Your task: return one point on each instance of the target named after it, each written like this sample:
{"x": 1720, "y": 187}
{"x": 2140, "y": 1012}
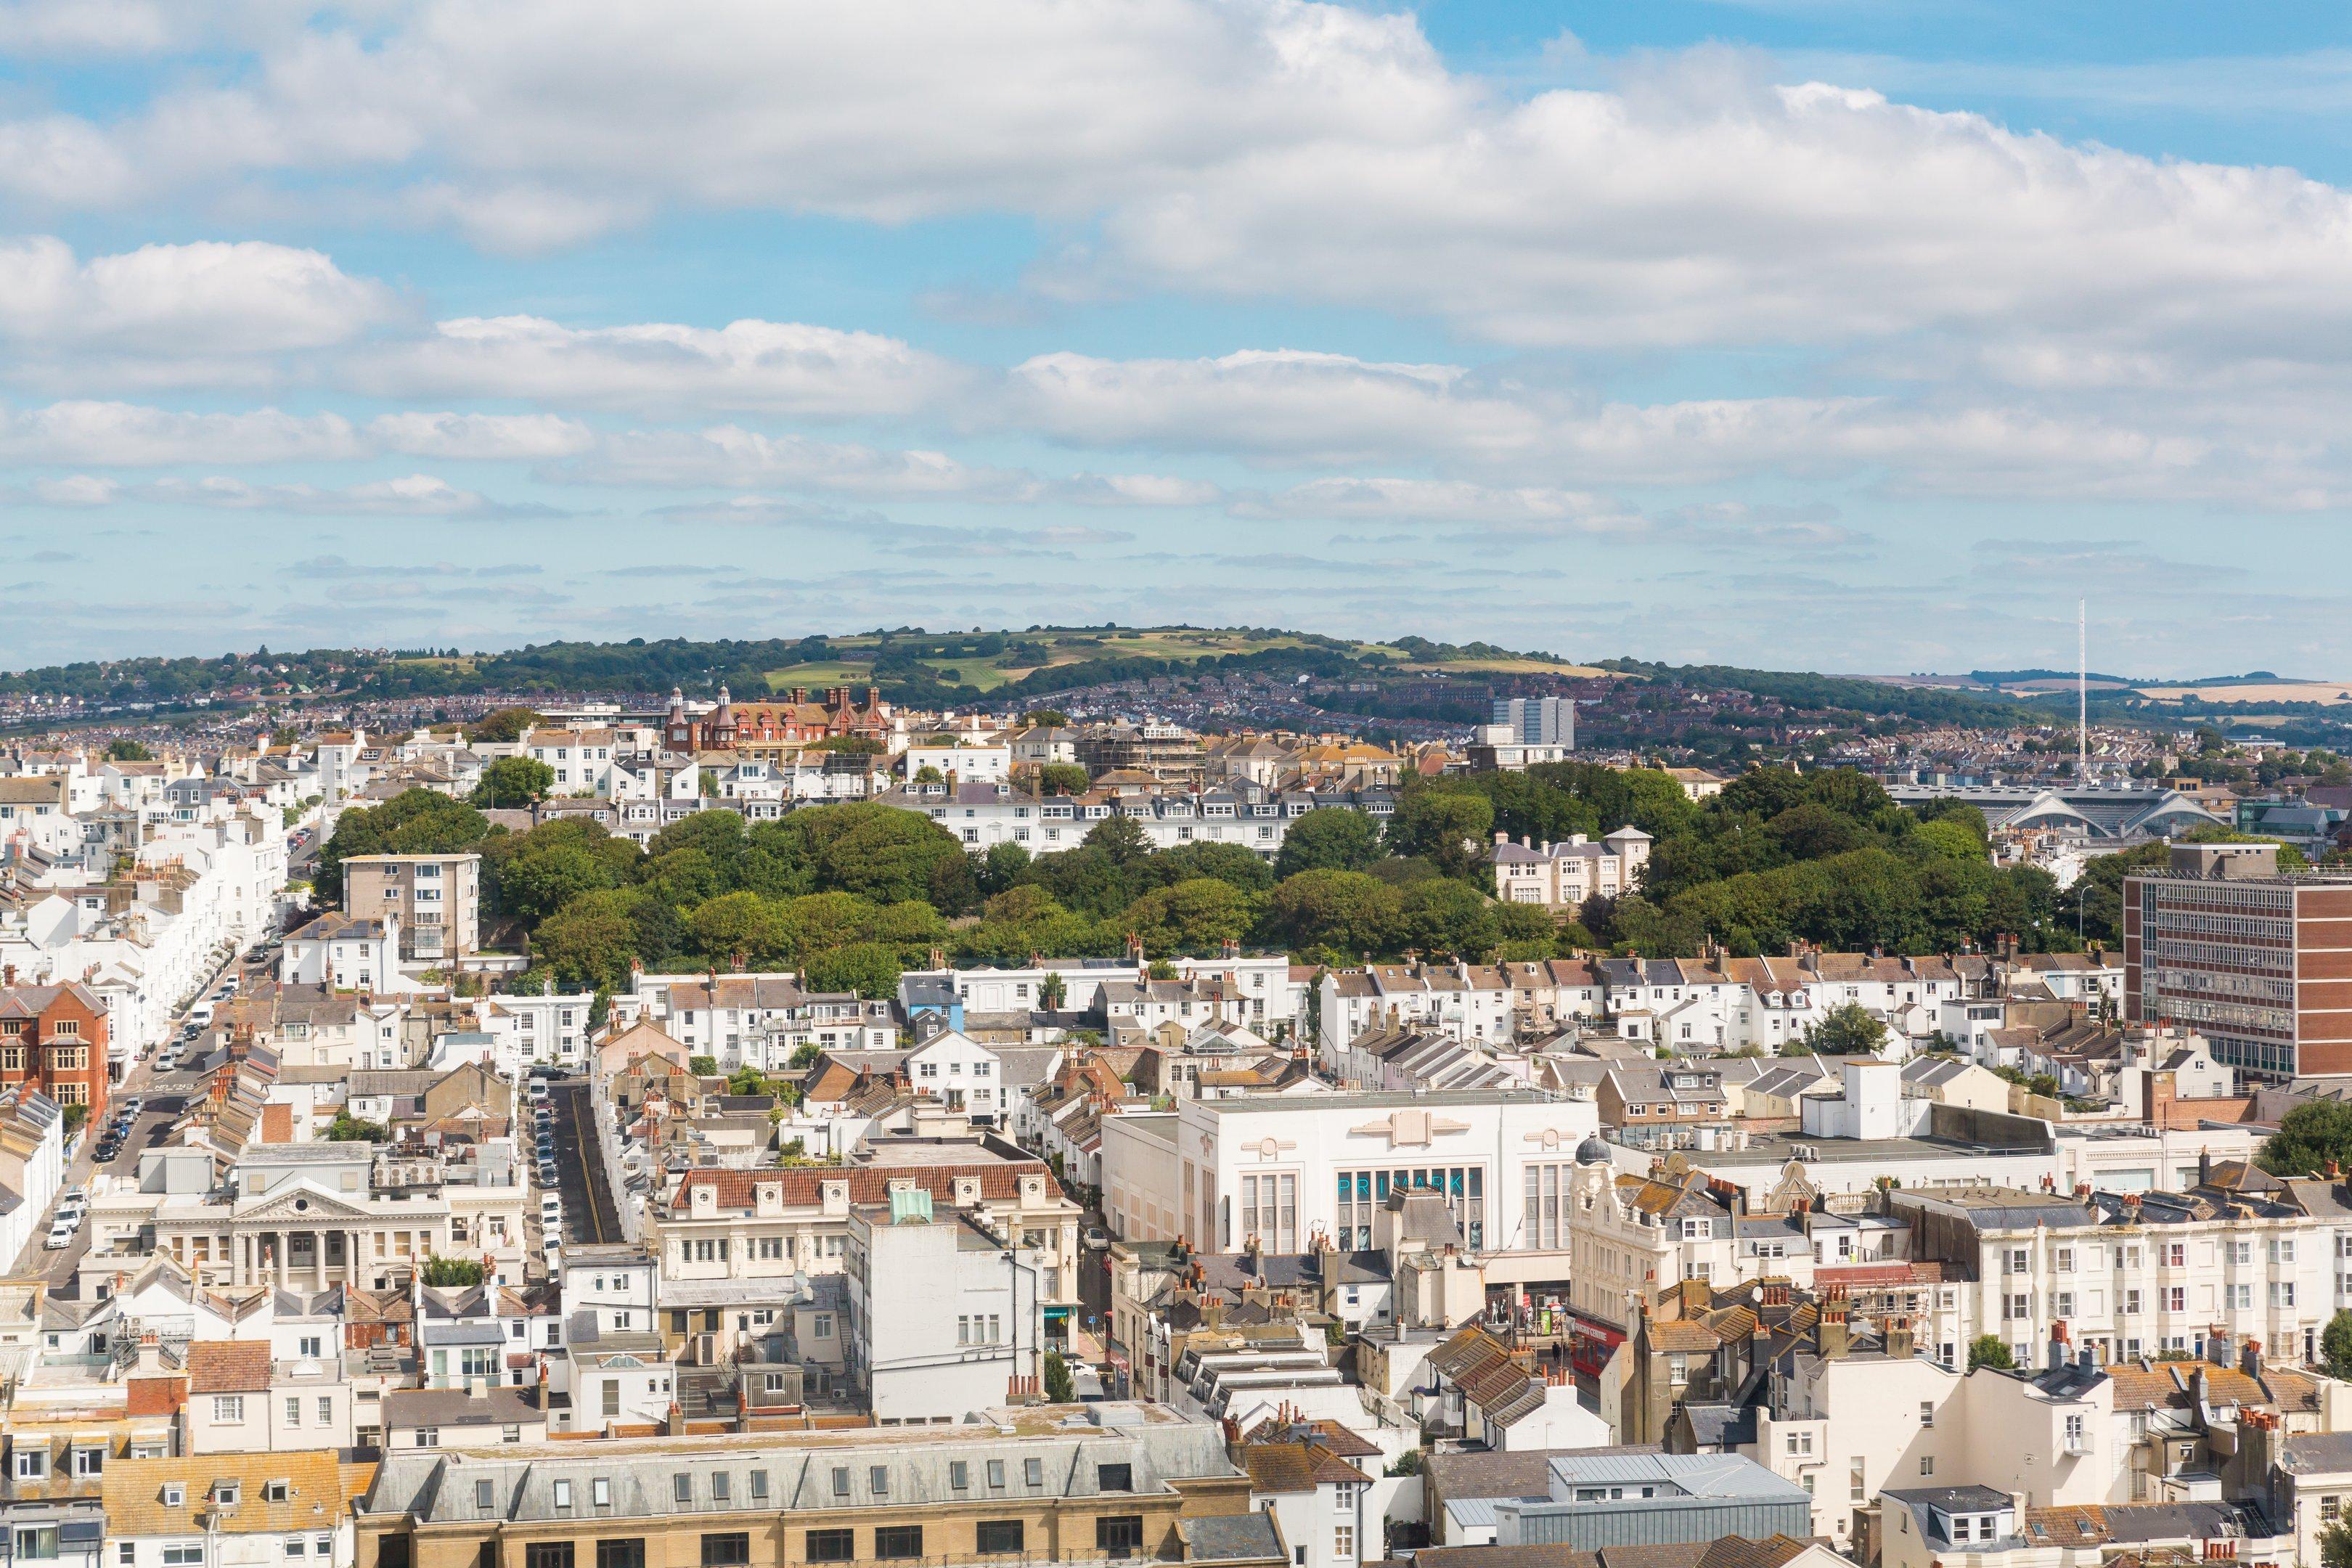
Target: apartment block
{"x": 439, "y": 899}
{"x": 2259, "y": 963}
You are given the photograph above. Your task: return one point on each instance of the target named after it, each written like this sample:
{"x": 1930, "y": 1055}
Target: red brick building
{"x": 54, "y": 1037}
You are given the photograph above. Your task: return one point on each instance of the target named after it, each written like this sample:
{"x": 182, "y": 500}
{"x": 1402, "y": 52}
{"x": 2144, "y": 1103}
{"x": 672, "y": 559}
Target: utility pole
{"x": 2081, "y": 693}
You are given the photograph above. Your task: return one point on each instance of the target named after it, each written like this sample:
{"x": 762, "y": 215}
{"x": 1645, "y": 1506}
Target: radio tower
{"x": 2081, "y": 693}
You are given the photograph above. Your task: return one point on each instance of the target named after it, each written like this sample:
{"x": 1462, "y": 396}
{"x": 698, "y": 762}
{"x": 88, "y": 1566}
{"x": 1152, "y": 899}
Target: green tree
{"x": 349, "y": 1129}
{"x": 1060, "y": 1387}
{"x": 1122, "y": 838}
{"x": 1345, "y": 913}
{"x": 446, "y": 1273}
{"x": 999, "y": 867}
{"x": 1950, "y": 837}
{"x": 1847, "y": 1030}
{"x": 871, "y": 969}
{"x": 1196, "y": 916}
{"x": 76, "y": 1114}
{"x": 2336, "y": 1545}
{"x": 1985, "y": 1349}
{"x": 1228, "y": 863}
{"x": 1450, "y": 828}
{"x": 702, "y": 1067}
{"x": 1063, "y": 778}
{"x": 738, "y": 930}
{"x": 513, "y": 782}
{"x": 2308, "y": 1138}
{"x": 126, "y": 749}
{"x": 2335, "y": 1345}
{"x": 503, "y": 726}
{"x": 1331, "y": 840}
{"x": 589, "y": 941}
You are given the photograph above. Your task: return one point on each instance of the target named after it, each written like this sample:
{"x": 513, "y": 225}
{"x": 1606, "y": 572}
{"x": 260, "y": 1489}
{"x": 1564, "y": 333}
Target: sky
{"x": 1832, "y": 334}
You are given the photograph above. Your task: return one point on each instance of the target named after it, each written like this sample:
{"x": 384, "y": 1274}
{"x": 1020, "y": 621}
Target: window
{"x": 1926, "y": 1413}
{"x": 841, "y": 1480}
{"x": 190, "y": 1556}
{"x": 723, "y": 1487}
{"x": 622, "y": 1551}
{"x": 486, "y": 1495}
{"x": 832, "y": 1545}
{"x": 996, "y": 1472}
{"x": 326, "y": 1410}
{"x": 1119, "y": 1532}
{"x": 681, "y": 1486}
{"x": 310, "y": 1345}
{"x": 897, "y": 1542}
{"x": 1115, "y": 1478}
{"x": 294, "y": 1546}
{"x": 2016, "y": 1308}
{"x": 228, "y": 1407}
{"x": 36, "y": 1542}
{"x": 175, "y": 1495}
{"x": 1033, "y": 1471}
{"x": 1856, "y": 1489}
{"x": 1801, "y": 1444}
{"x": 293, "y": 1412}
{"x": 277, "y": 1491}
{"x": 1343, "y": 1538}
{"x": 599, "y": 1492}
{"x": 547, "y": 1555}
{"x": 759, "y": 1485}
{"x": 1926, "y": 1464}
{"x": 877, "y": 1479}
{"x": 228, "y": 1494}
{"x": 958, "y": 1474}
{"x": 730, "y": 1549}
{"x": 998, "y": 1536}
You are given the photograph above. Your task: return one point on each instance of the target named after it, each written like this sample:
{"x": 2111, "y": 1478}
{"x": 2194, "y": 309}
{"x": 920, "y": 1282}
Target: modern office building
{"x": 2259, "y": 963}
{"x": 1538, "y": 721}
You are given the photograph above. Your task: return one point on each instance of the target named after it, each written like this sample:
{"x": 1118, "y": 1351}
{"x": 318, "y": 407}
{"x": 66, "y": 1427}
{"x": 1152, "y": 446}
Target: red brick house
{"x": 54, "y": 1037}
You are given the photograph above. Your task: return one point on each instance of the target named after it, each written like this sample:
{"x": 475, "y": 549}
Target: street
{"x": 165, "y": 1095}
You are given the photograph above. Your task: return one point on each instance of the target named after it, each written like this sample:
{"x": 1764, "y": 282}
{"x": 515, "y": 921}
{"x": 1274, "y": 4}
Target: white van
{"x": 202, "y": 1013}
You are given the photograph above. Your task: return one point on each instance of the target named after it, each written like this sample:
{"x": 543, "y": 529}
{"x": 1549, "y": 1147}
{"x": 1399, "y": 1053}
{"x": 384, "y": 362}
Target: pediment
{"x": 304, "y": 1205}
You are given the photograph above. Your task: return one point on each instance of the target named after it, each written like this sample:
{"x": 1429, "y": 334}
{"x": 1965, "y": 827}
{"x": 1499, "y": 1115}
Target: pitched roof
{"x": 228, "y": 1366}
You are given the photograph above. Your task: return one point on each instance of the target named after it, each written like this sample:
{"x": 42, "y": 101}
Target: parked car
{"x": 60, "y": 1236}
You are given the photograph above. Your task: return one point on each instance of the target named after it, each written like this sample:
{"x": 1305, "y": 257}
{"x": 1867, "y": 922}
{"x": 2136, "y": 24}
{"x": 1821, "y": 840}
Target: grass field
{"x": 1176, "y": 643}
{"x": 2327, "y": 693}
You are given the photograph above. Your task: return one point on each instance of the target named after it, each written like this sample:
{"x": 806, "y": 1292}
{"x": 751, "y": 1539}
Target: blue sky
{"x": 1795, "y": 332}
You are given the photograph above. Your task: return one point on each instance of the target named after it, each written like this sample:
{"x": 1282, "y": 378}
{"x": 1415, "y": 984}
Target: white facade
{"x": 1271, "y": 1168}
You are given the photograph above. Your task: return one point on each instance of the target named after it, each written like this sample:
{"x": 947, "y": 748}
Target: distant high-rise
{"x": 1539, "y": 721}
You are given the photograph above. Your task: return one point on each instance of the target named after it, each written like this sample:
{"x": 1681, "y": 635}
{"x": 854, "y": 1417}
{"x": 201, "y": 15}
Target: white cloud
{"x": 1259, "y": 147}
{"x": 1447, "y": 502}
{"x": 480, "y": 435}
{"x": 208, "y": 298}
{"x": 773, "y": 366}
{"x": 128, "y": 435}
{"x": 731, "y": 456}
{"x": 410, "y": 496}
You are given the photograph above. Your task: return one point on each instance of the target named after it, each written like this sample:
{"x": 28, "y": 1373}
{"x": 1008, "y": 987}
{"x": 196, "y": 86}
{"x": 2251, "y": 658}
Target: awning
{"x": 1054, "y": 1312}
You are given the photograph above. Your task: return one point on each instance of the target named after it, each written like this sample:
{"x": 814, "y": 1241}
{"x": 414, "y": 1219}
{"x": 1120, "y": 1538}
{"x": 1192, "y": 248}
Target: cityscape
{"x": 1257, "y": 782}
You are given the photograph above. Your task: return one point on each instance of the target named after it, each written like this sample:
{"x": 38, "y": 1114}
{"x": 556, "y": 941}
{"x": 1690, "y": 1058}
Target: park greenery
{"x": 851, "y": 895}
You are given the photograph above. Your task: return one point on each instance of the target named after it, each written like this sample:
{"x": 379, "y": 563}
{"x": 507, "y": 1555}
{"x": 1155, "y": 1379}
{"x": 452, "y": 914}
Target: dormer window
{"x": 175, "y": 1495}
{"x": 228, "y": 1494}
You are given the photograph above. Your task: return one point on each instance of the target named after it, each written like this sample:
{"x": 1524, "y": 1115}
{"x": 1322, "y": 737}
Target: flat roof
{"x": 1778, "y": 1150}
{"x": 1377, "y": 1099}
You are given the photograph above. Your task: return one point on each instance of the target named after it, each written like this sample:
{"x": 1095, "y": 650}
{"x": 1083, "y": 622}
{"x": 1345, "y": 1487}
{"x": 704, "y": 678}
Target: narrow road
{"x": 588, "y": 1211}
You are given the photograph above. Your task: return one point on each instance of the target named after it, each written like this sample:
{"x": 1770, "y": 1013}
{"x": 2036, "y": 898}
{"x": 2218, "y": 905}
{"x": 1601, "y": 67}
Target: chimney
{"x": 2058, "y": 1351}
{"x": 2204, "y": 1167}
{"x": 2217, "y": 1345}
{"x": 1836, "y": 1337}
{"x": 2249, "y": 1358}
{"x": 1900, "y": 1342}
